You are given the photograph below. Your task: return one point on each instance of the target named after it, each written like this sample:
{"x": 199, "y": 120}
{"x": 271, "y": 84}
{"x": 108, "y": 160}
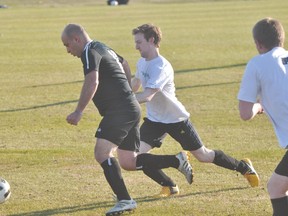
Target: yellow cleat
{"x": 168, "y": 191}
{"x": 188, "y": 153}
{"x": 251, "y": 175}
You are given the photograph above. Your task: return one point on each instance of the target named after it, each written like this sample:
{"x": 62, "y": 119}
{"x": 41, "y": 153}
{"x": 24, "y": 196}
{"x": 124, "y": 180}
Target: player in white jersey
{"x": 264, "y": 87}
{"x": 158, "y": 74}
{"x": 167, "y": 115}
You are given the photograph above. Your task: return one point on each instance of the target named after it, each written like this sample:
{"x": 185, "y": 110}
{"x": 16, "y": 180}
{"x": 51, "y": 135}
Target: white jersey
{"x": 266, "y": 78}
{"x": 164, "y": 106}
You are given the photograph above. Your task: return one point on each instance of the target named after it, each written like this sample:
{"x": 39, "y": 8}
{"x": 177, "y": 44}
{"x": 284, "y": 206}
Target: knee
{"x": 271, "y": 188}
{"x": 98, "y": 157}
{"x": 127, "y": 161}
{"x": 101, "y": 156}
{"x": 204, "y": 155}
{"x": 126, "y": 165}
{"x": 277, "y": 187}
{"x": 201, "y": 158}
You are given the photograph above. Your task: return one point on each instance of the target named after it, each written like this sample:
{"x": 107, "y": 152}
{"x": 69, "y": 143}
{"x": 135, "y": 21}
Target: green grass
{"x": 49, "y": 164}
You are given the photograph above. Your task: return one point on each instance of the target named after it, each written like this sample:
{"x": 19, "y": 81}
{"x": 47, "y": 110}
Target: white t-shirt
{"x": 164, "y": 106}
{"x": 266, "y": 78}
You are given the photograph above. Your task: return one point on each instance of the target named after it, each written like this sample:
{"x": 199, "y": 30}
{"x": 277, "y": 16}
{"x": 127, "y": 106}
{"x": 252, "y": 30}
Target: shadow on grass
{"x": 74, "y": 101}
{"x": 149, "y": 198}
{"x": 67, "y": 210}
{"x": 176, "y": 72}
{"x": 73, "y": 82}
{"x": 207, "y": 69}
{"x": 206, "y": 85}
{"x": 56, "y": 84}
{"x": 38, "y": 107}
{"x": 95, "y": 206}
{"x": 210, "y": 68}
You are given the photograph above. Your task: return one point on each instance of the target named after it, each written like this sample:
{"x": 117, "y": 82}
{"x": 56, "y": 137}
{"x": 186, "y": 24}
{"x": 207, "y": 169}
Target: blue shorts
{"x": 183, "y": 132}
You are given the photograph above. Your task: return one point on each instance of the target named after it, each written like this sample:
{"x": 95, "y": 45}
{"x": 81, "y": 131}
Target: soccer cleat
{"x": 168, "y": 191}
{"x": 114, "y": 197}
{"x": 122, "y": 207}
{"x": 251, "y": 174}
{"x": 184, "y": 166}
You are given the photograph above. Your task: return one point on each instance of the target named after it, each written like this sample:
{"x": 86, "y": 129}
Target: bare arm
{"x": 135, "y": 84}
{"x": 146, "y": 95}
{"x": 88, "y": 90}
{"x": 249, "y": 110}
{"x": 127, "y": 70}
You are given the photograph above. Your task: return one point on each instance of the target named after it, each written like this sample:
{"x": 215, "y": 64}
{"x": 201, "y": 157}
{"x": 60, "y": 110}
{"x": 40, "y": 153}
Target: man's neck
{"x": 153, "y": 55}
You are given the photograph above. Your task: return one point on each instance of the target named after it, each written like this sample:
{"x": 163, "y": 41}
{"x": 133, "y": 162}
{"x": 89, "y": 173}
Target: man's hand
{"x": 74, "y": 118}
{"x": 258, "y": 108}
{"x": 249, "y": 110}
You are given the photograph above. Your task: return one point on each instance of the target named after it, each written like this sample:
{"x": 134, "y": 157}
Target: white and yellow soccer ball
{"x": 5, "y": 191}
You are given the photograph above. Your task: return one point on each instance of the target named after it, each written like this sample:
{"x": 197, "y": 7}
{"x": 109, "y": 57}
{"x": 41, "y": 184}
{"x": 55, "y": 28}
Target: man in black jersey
{"x": 107, "y": 84}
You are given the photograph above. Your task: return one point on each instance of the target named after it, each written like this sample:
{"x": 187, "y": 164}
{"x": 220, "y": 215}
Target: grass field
{"x": 49, "y": 164}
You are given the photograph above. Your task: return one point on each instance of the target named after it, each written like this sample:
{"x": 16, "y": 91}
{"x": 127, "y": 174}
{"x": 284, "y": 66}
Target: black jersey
{"x": 114, "y": 92}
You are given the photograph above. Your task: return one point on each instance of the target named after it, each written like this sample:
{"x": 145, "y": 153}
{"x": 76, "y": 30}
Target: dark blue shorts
{"x": 183, "y": 132}
{"x": 282, "y": 168}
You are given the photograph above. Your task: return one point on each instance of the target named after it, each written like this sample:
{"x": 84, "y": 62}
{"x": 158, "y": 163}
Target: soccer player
{"x": 167, "y": 115}
{"x": 106, "y": 83}
{"x": 264, "y": 87}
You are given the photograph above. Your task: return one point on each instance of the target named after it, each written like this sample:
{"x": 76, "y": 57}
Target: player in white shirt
{"x": 264, "y": 87}
{"x": 167, "y": 115}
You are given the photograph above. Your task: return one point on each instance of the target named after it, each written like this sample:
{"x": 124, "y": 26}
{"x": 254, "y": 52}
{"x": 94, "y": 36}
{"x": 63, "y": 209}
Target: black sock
{"x": 223, "y": 160}
{"x": 113, "y": 176}
{"x": 280, "y": 206}
{"x": 159, "y": 176}
{"x": 149, "y": 161}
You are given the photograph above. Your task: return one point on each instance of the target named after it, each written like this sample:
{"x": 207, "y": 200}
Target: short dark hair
{"x": 149, "y": 30}
{"x": 269, "y": 32}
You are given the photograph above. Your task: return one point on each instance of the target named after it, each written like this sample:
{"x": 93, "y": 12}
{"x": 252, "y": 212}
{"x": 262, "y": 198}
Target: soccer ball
{"x": 4, "y": 190}
{"x": 112, "y": 2}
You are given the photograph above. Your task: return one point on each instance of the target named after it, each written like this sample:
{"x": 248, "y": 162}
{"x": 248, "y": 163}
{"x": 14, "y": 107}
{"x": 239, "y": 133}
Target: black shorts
{"x": 282, "y": 168}
{"x": 122, "y": 129}
{"x": 183, "y": 132}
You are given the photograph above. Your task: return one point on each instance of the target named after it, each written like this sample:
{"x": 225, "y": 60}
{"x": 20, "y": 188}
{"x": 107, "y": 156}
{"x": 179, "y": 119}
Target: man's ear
{"x": 151, "y": 40}
{"x": 77, "y": 39}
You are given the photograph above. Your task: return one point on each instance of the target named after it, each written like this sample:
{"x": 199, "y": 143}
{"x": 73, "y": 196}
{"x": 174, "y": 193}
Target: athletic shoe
{"x": 121, "y": 207}
{"x": 251, "y": 174}
{"x": 184, "y": 166}
{"x": 114, "y": 197}
{"x": 168, "y": 191}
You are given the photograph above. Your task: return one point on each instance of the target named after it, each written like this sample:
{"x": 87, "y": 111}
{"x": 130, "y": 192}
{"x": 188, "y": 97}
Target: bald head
{"x": 74, "y": 37}
{"x": 71, "y": 30}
